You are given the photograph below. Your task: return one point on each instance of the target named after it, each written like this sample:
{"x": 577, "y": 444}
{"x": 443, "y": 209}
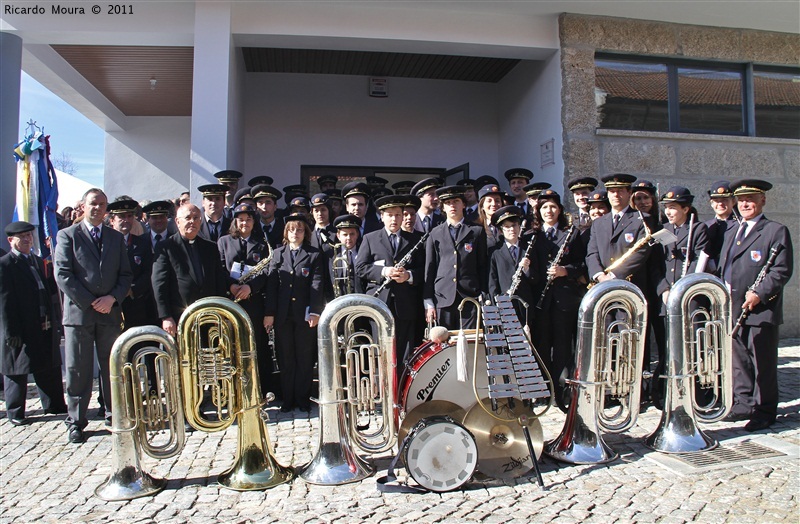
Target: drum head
{"x": 441, "y": 454}
{"x": 428, "y": 409}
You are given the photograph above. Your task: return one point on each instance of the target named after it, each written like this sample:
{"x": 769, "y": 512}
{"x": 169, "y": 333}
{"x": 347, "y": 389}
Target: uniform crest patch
{"x": 755, "y": 255}
{"x": 305, "y": 271}
{"x": 256, "y": 257}
{"x": 468, "y": 247}
{"x": 137, "y": 260}
{"x": 629, "y": 237}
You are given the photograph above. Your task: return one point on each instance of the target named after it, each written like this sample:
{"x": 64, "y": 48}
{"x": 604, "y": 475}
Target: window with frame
{"x": 653, "y": 94}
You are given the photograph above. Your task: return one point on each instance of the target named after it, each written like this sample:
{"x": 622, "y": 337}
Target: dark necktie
{"x": 726, "y": 271}
{"x": 616, "y": 220}
{"x": 214, "y": 230}
{"x": 741, "y": 233}
{"x": 95, "y": 232}
{"x": 393, "y": 242}
{"x": 514, "y": 253}
{"x": 454, "y": 232}
{"x": 677, "y": 228}
{"x": 242, "y": 249}
{"x": 158, "y": 240}
{"x": 551, "y": 234}
{"x": 293, "y": 253}
{"x": 426, "y": 223}
{"x": 521, "y": 205}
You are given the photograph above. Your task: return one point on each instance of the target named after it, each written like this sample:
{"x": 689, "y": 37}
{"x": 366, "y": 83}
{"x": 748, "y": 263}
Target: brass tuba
{"x": 215, "y": 351}
{"x": 608, "y": 363}
{"x": 698, "y": 354}
{"x": 360, "y": 410}
{"x": 218, "y": 354}
{"x": 342, "y": 273}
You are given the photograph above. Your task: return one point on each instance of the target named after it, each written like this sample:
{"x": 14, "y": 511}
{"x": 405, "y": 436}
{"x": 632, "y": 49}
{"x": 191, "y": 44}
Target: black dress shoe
{"x": 736, "y": 417}
{"x": 75, "y": 435}
{"x": 59, "y": 410}
{"x": 108, "y": 422}
{"x": 757, "y": 424}
{"x": 19, "y": 421}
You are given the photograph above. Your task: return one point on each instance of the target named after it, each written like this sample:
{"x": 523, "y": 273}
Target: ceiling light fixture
{"x": 152, "y": 84}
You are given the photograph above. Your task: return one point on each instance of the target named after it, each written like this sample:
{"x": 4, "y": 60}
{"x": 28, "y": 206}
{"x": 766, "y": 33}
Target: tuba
{"x": 215, "y": 351}
{"x": 698, "y": 356}
{"x": 608, "y": 363}
{"x": 342, "y": 273}
{"x": 359, "y": 409}
{"x": 143, "y": 418}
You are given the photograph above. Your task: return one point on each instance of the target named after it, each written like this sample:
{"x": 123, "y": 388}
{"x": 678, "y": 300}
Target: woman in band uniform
{"x": 555, "y": 321}
{"x": 241, "y": 250}
{"x": 294, "y": 303}
{"x": 490, "y": 199}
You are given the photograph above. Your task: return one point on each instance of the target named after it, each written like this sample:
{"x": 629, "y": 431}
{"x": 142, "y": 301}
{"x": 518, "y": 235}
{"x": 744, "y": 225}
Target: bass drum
{"x": 431, "y": 374}
{"x": 440, "y": 454}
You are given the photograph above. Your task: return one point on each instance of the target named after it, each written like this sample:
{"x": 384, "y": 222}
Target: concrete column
{"x": 10, "y": 77}
{"x": 215, "y": 125}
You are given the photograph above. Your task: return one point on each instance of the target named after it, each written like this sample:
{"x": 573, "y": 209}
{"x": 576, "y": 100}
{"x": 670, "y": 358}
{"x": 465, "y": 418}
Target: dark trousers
{"x": 79, "y": 348}
{"x": 553, "y": 336}
{"x": 453, "y": 319}
{"x": 297, "y": 348}
{"x": 755, "y": 370}
{"x": 48, "y": 382}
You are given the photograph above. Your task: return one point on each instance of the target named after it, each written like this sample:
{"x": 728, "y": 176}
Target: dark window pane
{"x": 777, "y": 98}
{"x": 710, "y": 100}
{"x": 631, "y": 95}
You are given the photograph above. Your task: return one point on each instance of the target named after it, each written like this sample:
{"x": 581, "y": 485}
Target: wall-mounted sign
{"x": 378, "y": 87}
{"x": 547, "y": 151}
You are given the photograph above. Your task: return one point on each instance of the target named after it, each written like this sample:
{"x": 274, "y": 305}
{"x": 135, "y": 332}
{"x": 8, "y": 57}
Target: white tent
{"x": 70, "y": 189}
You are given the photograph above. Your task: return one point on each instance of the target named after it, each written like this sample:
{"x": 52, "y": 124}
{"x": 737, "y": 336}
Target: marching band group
{"x": 421, "y": 249}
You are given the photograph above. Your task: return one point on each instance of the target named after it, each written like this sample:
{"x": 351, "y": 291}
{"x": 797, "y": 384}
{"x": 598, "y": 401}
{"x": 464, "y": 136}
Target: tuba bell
{"x": 698, "y": 356}
{"x": 608, "y": 363}
{"x": 215, "y": 353}
{"x": 360, "y": 408}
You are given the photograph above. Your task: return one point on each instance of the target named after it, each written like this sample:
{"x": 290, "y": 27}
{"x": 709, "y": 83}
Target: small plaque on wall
{"x": 378, "y": 87}
{"x": 548, "y": 152}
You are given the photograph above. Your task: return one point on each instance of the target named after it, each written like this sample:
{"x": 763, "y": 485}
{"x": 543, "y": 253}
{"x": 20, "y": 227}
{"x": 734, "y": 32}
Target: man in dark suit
{"x": 456, "y": 264}
{"x": 613, "y": 234}
{"x": 159, "y": 226}
{"x": 722, "y": 202}
{"x": 214, "y": 222}
{"x": 755, "y": 346}
{"x": 377, "y": 261}
{"x": 266, "y": 198}
{"x": 28, "y": 340}
{"x": 518, "y": 178}
{"x": 428, "y": 216}
{"x": 357, "y": 202}
{"x": 324, "y": 235}
{"x": 93, "y": 271}
{"x": 139, "y": 308}
{"x": 581, "y": 188}
{"x": 186, "y": 268}
{"x": 229, "y": 178}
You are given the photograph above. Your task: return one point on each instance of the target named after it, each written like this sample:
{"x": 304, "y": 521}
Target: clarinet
{"x": 688, "y": 246}
{"x": 773, "y": 254}
{"x": 556, "y": 262}
{"x": 517, "y": 278}
{"x": 402, "y": 263}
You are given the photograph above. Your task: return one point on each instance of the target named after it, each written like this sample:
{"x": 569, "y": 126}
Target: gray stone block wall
{"x": 691, "y": 160}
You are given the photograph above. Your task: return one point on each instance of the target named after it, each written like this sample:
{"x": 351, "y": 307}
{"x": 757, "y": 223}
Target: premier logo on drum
{"x": 426, "y": 393}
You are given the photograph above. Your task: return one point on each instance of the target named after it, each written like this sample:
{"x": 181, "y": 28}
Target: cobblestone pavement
{"x": 46, "y": 479}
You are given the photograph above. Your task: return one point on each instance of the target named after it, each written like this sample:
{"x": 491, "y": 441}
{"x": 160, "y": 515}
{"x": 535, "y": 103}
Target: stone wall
{"x": 667, "y": 159}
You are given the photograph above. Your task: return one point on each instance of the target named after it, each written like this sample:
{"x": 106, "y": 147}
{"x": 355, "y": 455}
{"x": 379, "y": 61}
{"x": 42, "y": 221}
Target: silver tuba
{"x": 698, "y": 355}
{"x": 368, "y": 390}
{"x": 143, "y": 419}
{"x": 608, "y": 363}
{"x": 215, "y": 353}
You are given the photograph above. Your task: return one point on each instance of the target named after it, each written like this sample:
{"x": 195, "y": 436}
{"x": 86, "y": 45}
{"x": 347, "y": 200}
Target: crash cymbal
{"x": 502, "y": 449}
{"x": 428, "y": 409}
